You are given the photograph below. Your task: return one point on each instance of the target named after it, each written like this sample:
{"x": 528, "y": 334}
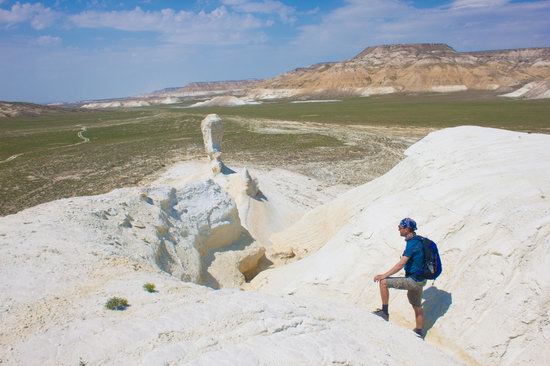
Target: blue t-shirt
{"x": 415, "y": 251}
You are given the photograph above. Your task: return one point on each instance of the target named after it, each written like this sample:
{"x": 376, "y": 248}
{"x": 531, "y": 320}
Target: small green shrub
{"x": 149, "y": 287}
{"x": 116, "y": 303}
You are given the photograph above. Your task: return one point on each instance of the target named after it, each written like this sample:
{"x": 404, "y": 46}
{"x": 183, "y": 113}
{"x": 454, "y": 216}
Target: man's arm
{"x": 398, "y": 267}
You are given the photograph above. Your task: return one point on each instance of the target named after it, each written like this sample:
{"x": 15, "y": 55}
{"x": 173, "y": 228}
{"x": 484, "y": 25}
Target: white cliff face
{"x": 483, "y": 196}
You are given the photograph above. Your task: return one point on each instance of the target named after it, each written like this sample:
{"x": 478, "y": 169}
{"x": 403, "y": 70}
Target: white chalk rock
{"x": 252, "y": 188}
{"x": 212, "y": 134}
{"x": 232, "y": 268}
{"x": 216, "y": 166}
{"x": 208, "y": 216}
{"x": 482, "y": 195}
{"x": 192, "y": 221}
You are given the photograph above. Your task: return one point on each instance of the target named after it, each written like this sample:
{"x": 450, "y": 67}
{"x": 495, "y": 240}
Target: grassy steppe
{"x": 124, "y": 147}
{"x": 427, "y": 110}
{"x": 127, "y": 145}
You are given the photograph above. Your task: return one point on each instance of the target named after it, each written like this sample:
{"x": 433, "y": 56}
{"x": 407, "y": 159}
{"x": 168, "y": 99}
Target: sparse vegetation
{"x": 128, "y": 145}
{"x": 116, "y": 303}
{"x": 405, "y": 110}
{"x": 124, "y": 147}
{"x": 149, "y": 287}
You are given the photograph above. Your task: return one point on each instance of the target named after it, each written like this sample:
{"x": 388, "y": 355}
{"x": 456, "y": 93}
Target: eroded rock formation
{"x": 252, "y": 188}
{"x": 212, "y": 134}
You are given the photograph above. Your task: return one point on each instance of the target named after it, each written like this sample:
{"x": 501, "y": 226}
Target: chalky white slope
{"x": 61, "y": 261}
{"x": 484, "y": 196}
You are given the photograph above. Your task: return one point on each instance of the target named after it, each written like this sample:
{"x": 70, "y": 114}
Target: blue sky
{"x": 60, "y": 50}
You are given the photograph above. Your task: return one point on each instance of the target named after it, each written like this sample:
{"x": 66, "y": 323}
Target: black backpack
{"x": 431, "y": 268}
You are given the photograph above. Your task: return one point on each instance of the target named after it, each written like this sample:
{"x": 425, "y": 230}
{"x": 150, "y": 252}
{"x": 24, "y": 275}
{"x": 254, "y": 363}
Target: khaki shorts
{"x": 414, "y": 289}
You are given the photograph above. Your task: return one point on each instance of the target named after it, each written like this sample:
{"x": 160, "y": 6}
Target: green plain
{"x": 432, "y": 110}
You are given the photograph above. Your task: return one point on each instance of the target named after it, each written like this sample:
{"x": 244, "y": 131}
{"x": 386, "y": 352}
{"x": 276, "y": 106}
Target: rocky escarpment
{"x": 207, "y": 88}
{"x": 419, "y": 68}
{"x": 16, "y": 109}
{"x": 385, "y": 69}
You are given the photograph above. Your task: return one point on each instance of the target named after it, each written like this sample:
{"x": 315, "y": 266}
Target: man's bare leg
{"x": 384, "y": 292}
{"x": 419, "y": 317}
{"x": 385, "y": 295}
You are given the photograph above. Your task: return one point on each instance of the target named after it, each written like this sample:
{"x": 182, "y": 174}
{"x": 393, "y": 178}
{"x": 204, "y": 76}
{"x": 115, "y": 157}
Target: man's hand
{"x": 398, "y": 267}
{"x": 379, "y": 277}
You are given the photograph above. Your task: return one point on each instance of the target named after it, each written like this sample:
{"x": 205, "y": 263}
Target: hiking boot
{"x": 382, "y": 314}
{"x": 418, "y": 333}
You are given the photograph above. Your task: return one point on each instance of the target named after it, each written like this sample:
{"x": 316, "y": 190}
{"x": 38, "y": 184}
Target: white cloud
{"x": 39, "y": 16}
{"x": 48, "y": 41}
{"x": 132, "y": 20}
{"x": 457, "y": 4}
{"x": 216, "y": 27}
{"x": 361, "y": 23}
{"x": 313, "y": 11}
{"x": 285, "y": 12}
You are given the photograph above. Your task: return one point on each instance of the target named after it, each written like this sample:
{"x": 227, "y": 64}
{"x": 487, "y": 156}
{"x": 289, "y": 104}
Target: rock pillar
{"x": 212, "y": 134}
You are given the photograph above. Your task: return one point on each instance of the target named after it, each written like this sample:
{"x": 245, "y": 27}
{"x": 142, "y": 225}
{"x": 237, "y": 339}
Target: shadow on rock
{"x": 436, "y": 303}
{"x": 260, "y": 197}
{"x": 227, "y": 170}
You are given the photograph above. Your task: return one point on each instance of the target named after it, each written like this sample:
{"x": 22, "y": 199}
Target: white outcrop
{"x": 375, "y": 90}
{"x": 224, "y": 101}
{"x": 232, "y": 268}
{"x": 196, "y": 220}
{"x": 251, "y": 184}
{"x": 449, "y": 88}
{"x": 117, "y": 104}
{"x": 212, "y": 134}
{"x": 316, "y": 101}
{"x": 481, "y": 194}
{"x": 269, "y": 94}
{"x": 532, "y": 90}
{"x": 167, "y": 100}
{"x": 62, "y": 260}
{"x": 130, "y": 103}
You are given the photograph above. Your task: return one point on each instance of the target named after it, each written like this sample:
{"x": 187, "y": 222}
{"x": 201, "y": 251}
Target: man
{"x": 412, "y": 260}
